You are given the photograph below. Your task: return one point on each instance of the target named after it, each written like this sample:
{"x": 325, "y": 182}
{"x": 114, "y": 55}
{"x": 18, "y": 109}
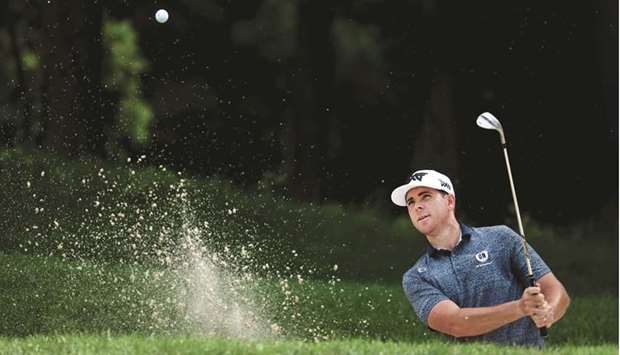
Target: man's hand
{"x": 533, "y": 304}
{"x": 531, "y": 301}
{"x": 544, "y": 316}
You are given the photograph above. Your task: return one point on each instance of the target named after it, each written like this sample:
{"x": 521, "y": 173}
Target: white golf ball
{"x": 161, "y": 16}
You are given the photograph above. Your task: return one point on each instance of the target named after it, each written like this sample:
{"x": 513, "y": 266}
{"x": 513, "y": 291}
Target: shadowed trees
{"x": 75, "y": 92}
{"x": 318, "y": 100}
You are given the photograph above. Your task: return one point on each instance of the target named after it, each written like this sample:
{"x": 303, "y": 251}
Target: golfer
{"x": 471, "y": 283}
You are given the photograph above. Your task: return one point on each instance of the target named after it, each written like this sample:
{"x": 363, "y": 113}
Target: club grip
{"x": 543, "y": 330}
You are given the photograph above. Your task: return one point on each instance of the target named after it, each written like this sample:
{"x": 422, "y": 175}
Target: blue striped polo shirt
{"x": 486, "y": 268}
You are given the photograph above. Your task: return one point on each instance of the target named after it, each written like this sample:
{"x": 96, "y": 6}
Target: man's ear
{"x": 451, "y": 201}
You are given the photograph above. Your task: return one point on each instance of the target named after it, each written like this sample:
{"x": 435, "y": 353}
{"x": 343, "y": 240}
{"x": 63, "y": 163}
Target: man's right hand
{"x": 531, "y": 301}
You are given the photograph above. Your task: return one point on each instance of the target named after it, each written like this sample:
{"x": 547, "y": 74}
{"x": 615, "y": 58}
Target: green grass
{"x": 202, "y": 345}
{"x": 47, "y": 296}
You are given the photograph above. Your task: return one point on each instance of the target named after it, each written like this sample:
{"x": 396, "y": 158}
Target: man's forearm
{"x": 481, "y": 320}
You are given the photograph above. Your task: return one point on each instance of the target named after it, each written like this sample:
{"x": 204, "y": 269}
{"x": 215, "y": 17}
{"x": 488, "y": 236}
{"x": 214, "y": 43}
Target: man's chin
{"x": 424, "y": 229}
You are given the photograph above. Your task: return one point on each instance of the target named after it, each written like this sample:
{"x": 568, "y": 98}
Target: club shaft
{"x": 514, "y": 198}
{"x": 530, "y": 274}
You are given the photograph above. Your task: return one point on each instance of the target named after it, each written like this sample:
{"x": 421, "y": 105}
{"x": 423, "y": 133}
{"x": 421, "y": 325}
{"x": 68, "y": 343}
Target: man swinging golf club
{"x": 475, "y": 283}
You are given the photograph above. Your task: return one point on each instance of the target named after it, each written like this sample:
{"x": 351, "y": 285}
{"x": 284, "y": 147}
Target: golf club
{"x": 488, "y": 121}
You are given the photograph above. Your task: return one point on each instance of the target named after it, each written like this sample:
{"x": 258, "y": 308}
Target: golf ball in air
{"x": 161, "y": 16}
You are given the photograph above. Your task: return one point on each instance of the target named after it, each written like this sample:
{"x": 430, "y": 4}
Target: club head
{"x": 488, "y": 121}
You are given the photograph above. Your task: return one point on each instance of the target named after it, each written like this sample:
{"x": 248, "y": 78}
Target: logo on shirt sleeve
{"x": 421, "y": 269}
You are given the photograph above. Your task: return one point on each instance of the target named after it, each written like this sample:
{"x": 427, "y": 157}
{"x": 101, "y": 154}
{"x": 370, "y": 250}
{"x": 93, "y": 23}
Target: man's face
{"x": 428, "y": 208}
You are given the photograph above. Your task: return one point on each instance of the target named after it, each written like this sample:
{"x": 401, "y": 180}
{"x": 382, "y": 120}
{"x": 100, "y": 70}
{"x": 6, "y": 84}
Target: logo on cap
{"x": 417, "y": 176}
{"x": 445, "y": 184}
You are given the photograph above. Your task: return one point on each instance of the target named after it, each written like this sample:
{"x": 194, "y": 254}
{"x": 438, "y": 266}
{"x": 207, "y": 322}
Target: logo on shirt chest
{"x": 482, "y": 256}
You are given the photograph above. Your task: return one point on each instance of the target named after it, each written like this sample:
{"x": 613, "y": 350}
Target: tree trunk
{"x": 23, "y": 129}
{"x": 436, "y": 144}
{"x": 71, "y": 62}
{"x": 313, "y": 91}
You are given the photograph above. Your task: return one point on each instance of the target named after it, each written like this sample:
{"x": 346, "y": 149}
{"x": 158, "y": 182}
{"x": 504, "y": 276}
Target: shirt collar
{"x": 466, "y": 233}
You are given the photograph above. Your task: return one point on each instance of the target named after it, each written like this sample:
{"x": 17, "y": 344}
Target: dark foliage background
{"x": 328, "y": 101}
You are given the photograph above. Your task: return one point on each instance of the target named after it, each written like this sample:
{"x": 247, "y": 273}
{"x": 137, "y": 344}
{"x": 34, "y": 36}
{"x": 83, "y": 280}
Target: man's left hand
{"x": 544, "y": 316}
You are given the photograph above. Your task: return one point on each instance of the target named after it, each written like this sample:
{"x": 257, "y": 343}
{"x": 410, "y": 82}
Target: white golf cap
{"x": 426, "y": 178}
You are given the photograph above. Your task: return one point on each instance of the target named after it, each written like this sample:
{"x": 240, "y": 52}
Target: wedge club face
{"x": 488, "y": 121}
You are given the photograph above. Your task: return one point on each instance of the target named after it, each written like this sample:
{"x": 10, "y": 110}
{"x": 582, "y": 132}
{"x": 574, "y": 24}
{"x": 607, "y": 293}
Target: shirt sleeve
{"x": 539, "y": 267}
{"x": 422, "y": 295}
